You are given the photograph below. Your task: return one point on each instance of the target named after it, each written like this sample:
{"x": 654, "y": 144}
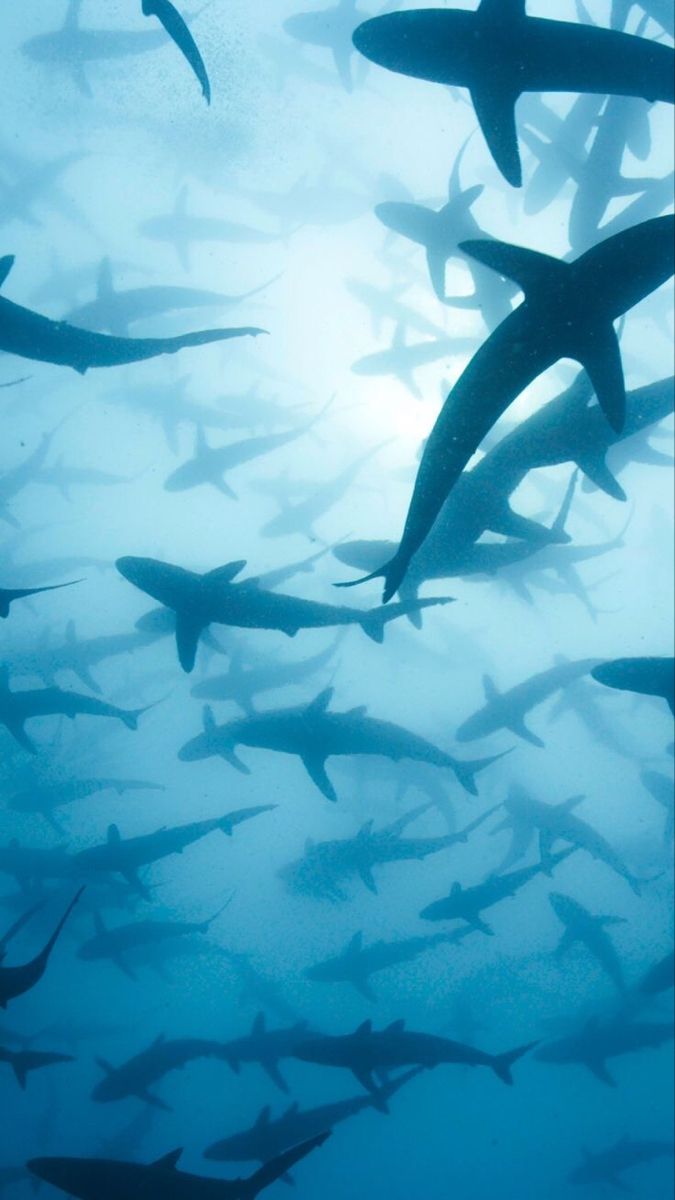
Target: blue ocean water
{"x": 321, "y": 206}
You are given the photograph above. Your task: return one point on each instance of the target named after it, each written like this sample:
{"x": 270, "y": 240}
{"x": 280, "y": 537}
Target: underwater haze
{"x": 336, "y": 599}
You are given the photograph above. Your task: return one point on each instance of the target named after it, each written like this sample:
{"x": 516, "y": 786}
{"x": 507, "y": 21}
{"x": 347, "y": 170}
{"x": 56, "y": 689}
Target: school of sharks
{"x": 336, "y": 605}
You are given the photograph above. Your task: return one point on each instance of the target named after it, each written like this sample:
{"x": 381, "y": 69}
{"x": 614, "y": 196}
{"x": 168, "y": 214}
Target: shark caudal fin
{"x": 467, "y": 770}
{"x": 501, "y": 1063}
{"x": 393, "y": 573}
{"x": 281, "y": 1165}
{"x": 373, "y": 622}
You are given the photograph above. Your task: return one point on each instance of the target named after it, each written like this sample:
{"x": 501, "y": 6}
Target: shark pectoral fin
{"x": 271, "y": 1068}
{"x": 154, "y": 1101}
{"x": 521, "y": 730}
{"x": 598, "y": 1067}
{"x": 367, "y": 879}
{"x": 495, "y": 108}
{"x": 134, "y": 882}
{"x": 6, "y": 264}
{"x": 598, "y": 472}
{"x": 316, "y": 769}
{"x": 362, "y": 985}
{"x": 88, "y": 680}
{"x": 365, "y": 1078}
{"x": 600, "y": 357}
{"x": 342, "y": 56}
{"x": 224, "y": 488}
{"x": 436, "y": 263}
{"x": 188, "y": 633}
{"x": 566, "y": 942}
{"x": 124, "y": 968}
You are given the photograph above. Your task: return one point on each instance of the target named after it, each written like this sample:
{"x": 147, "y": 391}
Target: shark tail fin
{"x": 282, "y": 1164}
{"x": 466, "y": 770}
{"x": 501, "y": 1063}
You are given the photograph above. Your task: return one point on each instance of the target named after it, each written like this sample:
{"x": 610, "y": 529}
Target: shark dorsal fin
{"x": 114, "y": 835}
{"x": 6, "y": 264}
{"x": 364, "y": 1029}
{"x": 398, "y": 341}
{"x": 259, "y": 1024}
{"x": 455, "y": 889}
{"x": 105, "y": 1066}
{"x": 366, "y": 829}
{"x": 530, "y": 269}
{"x": 72, "y": 17}
{"x": 263, "y": 1117}
{"x": 396, "y": 1027}
{"x": 208, "y": 719}
{"x": 104, "y": 280}
{"x": 292, "y": 1109}
{"x": 490, "y": 688}
{"x": 168, "y": 1162}
{"x": 361, "y": 710}
{"x": 201, "y": 443}
{"x": 159, "y": 1040}
{"x": 320, "y": 703}
{"x": 226, "y": 573}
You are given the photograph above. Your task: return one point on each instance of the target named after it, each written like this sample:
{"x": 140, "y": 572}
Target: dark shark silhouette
{"x": 507, "y": 710}
{"x": 467, "y": 904}
{"x": 499, "y": 52}
{"x": 330, "y": 29}
{"x": 567, "y": 313}
{"x": 201, "y": 600}
{"x": 646, "y": 676}
{"x": 583, "y": 926}
{"x": 17, "y": 707}
{"x": 367, "y": 1051}
{"x": 602, "y": 1039}
{"x": 106, "y": 1179}
{"x": 22, "y": 1062}
{"x": 118, "y": 943}
{"x": 314, "y": 734}
{"x": 607, "y": 1166}
{"x": 357, "y": 962}
{"x": 30, "y": 335}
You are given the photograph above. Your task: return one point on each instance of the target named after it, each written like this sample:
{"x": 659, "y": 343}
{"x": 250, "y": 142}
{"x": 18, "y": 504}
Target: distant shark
{"x": 499, "y": 52}
{"x": 607, "y": 1166}
{"x": 30, "y": 335}
{"x": 507, "y": 710}
{"x": 568, "y": 312}
{"x": 331, "y": 29}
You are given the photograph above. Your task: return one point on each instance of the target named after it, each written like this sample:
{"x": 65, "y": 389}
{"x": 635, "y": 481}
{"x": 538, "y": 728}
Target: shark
{"x": 366, "y": 1051}
{"x": 402, "y": 359}
{"x": 242, "y": 684}
{"x": 646, "y": 676}
{"x": 584, "y": 926}
{"x": 607, "y": 1166}
{"x": 508, "y": 710}
{"x": 115, "y": 944}
{"x": 16, "y": 981}
{"x": 300, "y": 517}
{"x": 22, "y": 1062}
{"x": 599, "y": 1040}
{"x": 137, "y": 1076}
{"x": 213, "y": 598}
{"x": 109, "y": 1179}
{"x": 28, "y": 334}
{"x": 660, "y": 977}
{"x": 560, "y": 822}
{"x": 181, "y": 229}
{"x": 662, "y": 790}
{"x": 125, "y": 856}
{"x": 18, "y": 707}
{"x": 568, "y": 312}
{"x": 114, "y": 310}
{"x": 467, "y": 904}
{"x": 266, "y": 1047}
{"x": 330, "y": 29}
{"x": 357, "y": 962}
{"x": 314, "y": 734}
{"x": 499, "y": 52}
{"x": 46, "y": 795}
{"x": 269, "y": 1136}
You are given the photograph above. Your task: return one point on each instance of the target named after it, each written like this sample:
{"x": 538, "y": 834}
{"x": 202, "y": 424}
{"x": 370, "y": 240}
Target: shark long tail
{"x": 466, "y": 770}
{"x": 393, "y": 573}
{"x": 373, "y": 622}
{"x": 501, "y": 1063}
